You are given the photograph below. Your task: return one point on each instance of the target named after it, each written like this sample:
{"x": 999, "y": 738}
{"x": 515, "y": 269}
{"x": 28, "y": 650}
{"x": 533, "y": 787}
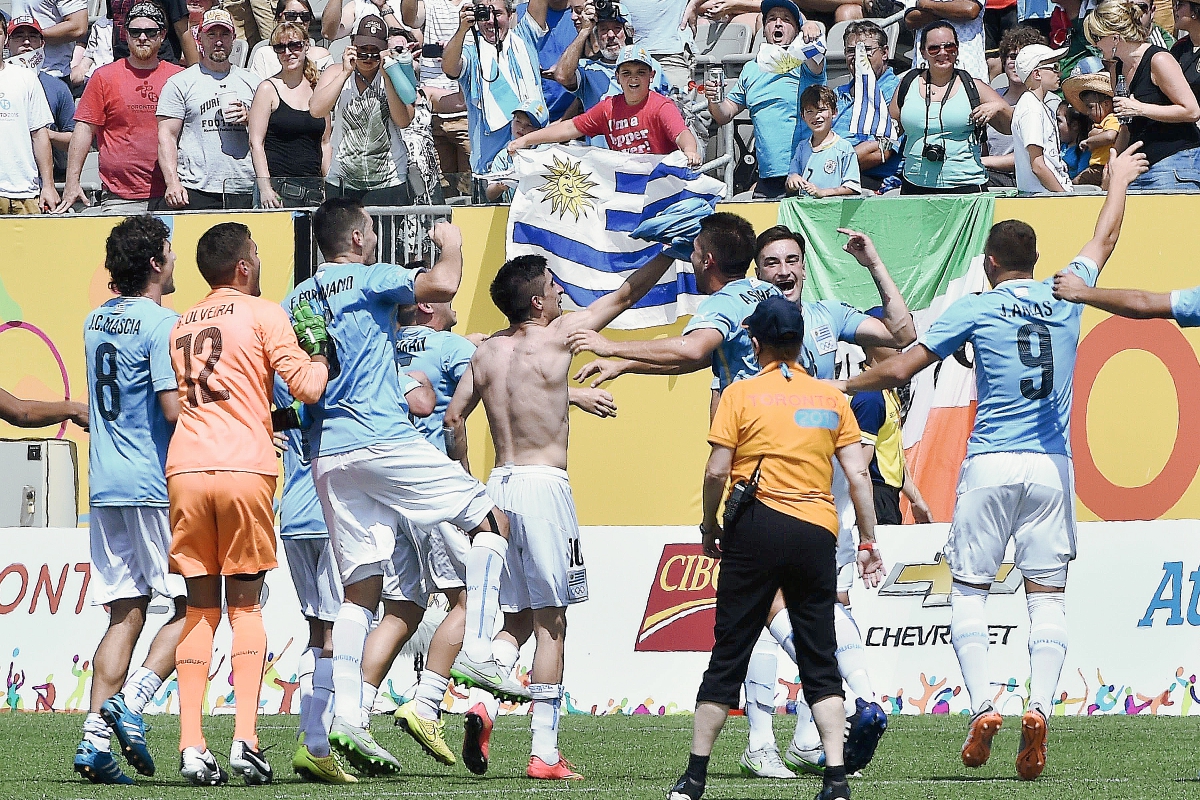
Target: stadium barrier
{"x": 638, "y": 645}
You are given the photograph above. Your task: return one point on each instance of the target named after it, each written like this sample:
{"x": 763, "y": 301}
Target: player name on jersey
{"x": 206, "y": 313}
{"x": 116, "y": 326}
{"x": 333, "y": 287}
{"x": 1042, "y": 309}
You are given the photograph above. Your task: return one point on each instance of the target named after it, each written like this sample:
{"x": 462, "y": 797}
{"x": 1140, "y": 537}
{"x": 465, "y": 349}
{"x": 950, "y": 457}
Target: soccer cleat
{"x": 978, "y": 747}
{"x": 834, "y": 791}
{"x": 811, "y": 761}
{"x": 686, "y": 789}
{"x": 99, "y": 766}
{"x": 200, "y": 767}
{"x": 477, "y": 730}
{"x": 427, "y": 733}
{"x": 130, "y": 731}
{"x": 1031, "y": 757}
{"x": 490, "y": 677}
{"x": 562, "y": 771}
{"x": 361, "y": 749}
{"x": 864, "y": 730}
{"x": 320, "y": 770}
{"x": 251, "y": 764}
{"x": 764, "y": 763}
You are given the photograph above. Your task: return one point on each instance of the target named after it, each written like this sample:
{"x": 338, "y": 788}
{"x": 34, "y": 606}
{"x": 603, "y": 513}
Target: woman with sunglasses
{"x": 289, "y": 147}
{"x": 943, "y": 151}
{"x": 1187, "y": 50}
{"x": 263, "y": 62}
{"x": 1161, "y": 111}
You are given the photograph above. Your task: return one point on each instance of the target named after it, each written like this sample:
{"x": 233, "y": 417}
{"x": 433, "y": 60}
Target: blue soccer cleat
{"x": 98, "y": 766}
{"x": 130, "y": 731}
{"x": 864, "y": 730}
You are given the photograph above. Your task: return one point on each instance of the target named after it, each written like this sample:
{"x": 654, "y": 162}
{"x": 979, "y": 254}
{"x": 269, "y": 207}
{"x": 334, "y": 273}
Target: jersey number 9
{"x": 1044, "y": 360}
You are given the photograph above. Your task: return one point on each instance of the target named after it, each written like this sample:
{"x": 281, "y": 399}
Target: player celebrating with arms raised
{"x": 1017, "y": 480}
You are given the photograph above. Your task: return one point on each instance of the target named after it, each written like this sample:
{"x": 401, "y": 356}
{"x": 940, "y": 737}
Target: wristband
{"x": 868, "y": 546}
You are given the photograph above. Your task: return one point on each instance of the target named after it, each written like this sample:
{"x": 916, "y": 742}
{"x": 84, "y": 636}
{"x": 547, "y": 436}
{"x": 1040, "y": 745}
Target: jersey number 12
{"x": 186, "y": 346}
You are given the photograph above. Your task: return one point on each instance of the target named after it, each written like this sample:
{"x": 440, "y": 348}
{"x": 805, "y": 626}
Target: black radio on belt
{"x": 432, "y": 50}
{"x": 741, "y": 495}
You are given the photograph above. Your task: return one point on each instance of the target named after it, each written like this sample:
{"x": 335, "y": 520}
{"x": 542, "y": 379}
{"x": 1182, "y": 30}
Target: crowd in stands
{"x": 200, "y": 104}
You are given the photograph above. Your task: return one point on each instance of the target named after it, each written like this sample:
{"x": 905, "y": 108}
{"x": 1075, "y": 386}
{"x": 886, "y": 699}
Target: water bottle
{"x": 1122, "y": 90}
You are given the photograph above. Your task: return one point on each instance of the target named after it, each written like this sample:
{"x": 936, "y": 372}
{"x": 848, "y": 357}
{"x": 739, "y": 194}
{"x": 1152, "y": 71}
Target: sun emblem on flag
{"x": 567, "y": 189}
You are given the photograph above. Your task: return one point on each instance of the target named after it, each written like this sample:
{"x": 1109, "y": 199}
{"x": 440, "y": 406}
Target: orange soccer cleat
{"x": 978, "y": 747}
{"x": 562, "y": 771}
{"x": 1031, "y": 757}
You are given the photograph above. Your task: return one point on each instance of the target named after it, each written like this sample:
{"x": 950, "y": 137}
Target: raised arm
{"x": 605, "y": 309}
{"x": 1122, "y": 170}
{"x": 38, "y": 413}
{"x": 331, "y": 19}
{"x": 454, "y": 424}
{"x": 896, "y": 329}
{"x": 602, "y": 369}
{"x": 440, "y": 283}
{"x": 566, "y": 69}
{"x": 1131, "y": 303}
{"x": 893, "y": 372}
{"x": 536, "y": 10}
{"x": 452, "y": 63}
{"x": 956, "y": 10}
{"x": 412, "y": 13}
{"x": 677, "y": 354}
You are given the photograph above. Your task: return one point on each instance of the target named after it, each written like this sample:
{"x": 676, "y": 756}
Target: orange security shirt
{"x": 226, "y": 350}
{"x": 794, "y": 425}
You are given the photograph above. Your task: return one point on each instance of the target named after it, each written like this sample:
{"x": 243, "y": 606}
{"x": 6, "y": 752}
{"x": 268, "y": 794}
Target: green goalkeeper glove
{"x": 310, "y": 329}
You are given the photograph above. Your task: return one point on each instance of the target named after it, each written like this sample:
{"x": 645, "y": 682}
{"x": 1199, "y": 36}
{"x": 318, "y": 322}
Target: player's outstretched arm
{"x": 38, "y": 413}
{"x": 854, "y": 461}
{"x": 440, "y": 283}
{"x": 602, "y": 370}
{"x": 454, "y": 424}
{"x": 893, "y": 372}
{"x": 896, "y": 329}
{"x": 1132, "y": 303}
{"x": 1121, "y": 171}
{"x": 596, "y": 402}
{"x": 605, "y": 309}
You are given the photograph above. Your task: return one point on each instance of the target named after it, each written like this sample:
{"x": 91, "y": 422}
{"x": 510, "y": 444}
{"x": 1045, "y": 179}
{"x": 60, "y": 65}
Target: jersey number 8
{"x": 108, "y": 391}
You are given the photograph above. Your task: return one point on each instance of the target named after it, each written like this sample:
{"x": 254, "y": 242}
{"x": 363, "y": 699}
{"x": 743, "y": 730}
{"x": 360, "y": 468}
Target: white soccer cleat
{"x": 200, "y": 768}
{"x": 764, "y": 763}
{"x": 807, "y": 760}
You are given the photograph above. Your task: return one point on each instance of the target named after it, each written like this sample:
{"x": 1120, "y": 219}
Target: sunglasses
{"x": 283, "y": 47}
{"x": 948, "y": 47}
{"x": 138, "y": 33}
{"x": 297, "y": 16}
{"x": 367, "y": 55}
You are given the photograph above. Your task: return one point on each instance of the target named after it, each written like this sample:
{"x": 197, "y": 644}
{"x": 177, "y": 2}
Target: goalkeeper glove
{"x": 310, "y": 329}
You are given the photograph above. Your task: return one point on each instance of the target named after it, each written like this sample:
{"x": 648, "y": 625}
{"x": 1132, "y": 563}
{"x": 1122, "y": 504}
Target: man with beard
{"x": 203, "y": 142}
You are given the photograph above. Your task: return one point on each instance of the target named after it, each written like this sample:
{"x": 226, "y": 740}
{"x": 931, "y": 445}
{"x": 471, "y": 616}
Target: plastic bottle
{"x": 400, "y": 72}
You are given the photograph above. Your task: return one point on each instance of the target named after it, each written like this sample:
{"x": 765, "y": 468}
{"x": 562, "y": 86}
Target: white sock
{"x": 304, "y": 674}
{"x": 807, "y": 736}
{"x": 969, "y": 634}
{"x": 760, "y": 691}
{"x": 1047, "y": 646}
{"x": 140, "y": 688}
{"x": 781, "y": 629}
{"x": 431, "y": 690}
{"x": 349, "y": 637}
{"x": 491, "y": 705}
{"x": 97, "y": 733}
{"x": 506, "y": 654}
{"x": 320, "y": 716}
{"x": 547, "y": 700}
{"x": 851, "y": 655}
{"x": 369, "y": 693}
{"x": 485, "y": 562}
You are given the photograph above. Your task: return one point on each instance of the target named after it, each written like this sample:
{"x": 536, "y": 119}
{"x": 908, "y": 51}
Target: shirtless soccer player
{"x": 221, "y": 473}
{"x": 370, "y": 465}
{"x": 1017, "y": 480}
{"x": 521, "y": 375}
{"x": 134, "y": 402}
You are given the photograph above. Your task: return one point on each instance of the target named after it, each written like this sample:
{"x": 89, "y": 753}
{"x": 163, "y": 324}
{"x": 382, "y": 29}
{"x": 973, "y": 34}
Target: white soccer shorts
{"x": 129, "y": 547}
{"x": 1026, "y": 497}
{"x": 545, "y": 557}
{"x": 315, "y": 576}
{"x": 365, "y": 492}
{"x": 444, "y": 555}
{"x": 403, "y": 575}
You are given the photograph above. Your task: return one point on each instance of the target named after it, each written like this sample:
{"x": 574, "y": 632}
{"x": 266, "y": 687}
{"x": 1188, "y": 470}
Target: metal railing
{"x": 403, "y": 236}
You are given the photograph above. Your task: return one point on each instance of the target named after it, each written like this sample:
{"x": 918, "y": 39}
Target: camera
{"x": 483, "y": 12}
{"x": 934, "y": 152}
{"x": 607, "y": 9}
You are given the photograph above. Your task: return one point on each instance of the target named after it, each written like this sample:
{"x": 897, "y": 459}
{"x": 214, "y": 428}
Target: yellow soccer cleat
{"x": 321, "y": 770}
{"x": 427, "y": 733}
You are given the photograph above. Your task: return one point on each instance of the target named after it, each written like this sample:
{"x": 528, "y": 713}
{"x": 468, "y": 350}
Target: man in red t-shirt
{"x": 118, "y": 107}
{"x": 638, "y": 121}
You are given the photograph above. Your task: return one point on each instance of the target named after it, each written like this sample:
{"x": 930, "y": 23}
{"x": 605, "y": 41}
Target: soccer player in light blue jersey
{"x": 1017, "y": 480}
{"x": 370, "y": 465}
{"x": 39, "y": 413}
{"x": 133, "y": 405}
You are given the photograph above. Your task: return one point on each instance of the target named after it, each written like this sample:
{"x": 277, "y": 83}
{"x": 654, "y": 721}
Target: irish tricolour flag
{"x": 933, "y": 248}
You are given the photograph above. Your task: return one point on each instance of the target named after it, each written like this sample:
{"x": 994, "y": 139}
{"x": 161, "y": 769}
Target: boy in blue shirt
{"x": 826, "y": 165}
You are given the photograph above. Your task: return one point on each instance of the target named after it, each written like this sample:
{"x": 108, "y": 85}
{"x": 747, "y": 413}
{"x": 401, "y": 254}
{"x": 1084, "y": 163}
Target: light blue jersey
{"x": 1025, "y": 344}
{"x": 443, "y": 357}
{"x": 127, "y": 344}
{"x": 1185, "y": 307}
{"x": 827, "y": 322}
{"x": 362, "y": 405}
{"x": 725, "y": 310}
{"x": 300, "y": 514}
{"x": 774, "y": 103}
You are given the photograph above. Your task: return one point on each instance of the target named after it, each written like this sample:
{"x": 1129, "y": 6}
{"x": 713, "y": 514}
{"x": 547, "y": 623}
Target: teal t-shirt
{"x": 948, "y": 124}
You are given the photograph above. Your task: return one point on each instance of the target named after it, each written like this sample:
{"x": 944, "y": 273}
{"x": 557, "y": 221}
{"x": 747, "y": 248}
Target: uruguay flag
{"x": 577, "y": 206}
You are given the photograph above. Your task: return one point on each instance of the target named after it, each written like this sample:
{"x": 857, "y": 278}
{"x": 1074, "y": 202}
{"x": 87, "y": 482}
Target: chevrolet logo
{"x": 933, "y": 581}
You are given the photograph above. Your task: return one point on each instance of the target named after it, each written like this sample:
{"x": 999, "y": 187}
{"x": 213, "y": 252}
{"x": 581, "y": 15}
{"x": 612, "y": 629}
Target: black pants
{"x": 767, "y": 551}
{"x": 887, "y": 504}
{"x": 206, "y": 201}
{"x": 913, "y": 189}
{"x": 771, "y": 188}
{"x": 389, "y": 196}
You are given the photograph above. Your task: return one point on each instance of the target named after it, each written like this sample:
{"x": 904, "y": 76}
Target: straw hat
{"x": 1089, "y": 75}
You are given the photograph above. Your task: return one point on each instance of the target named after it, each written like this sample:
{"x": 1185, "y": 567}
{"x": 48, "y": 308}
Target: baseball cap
{"x": 23, "y": 21}
{"x": 214, "y": 17}
{"x": 633, "y": 52}
{"x": 371, "y": 32}
{"x": 1033, "y": 56}
{"x": 535, "y": 110}
{"x": 776, "y": 321}
{"x": 148, "y": 11}
{"x": 786, "y": 5}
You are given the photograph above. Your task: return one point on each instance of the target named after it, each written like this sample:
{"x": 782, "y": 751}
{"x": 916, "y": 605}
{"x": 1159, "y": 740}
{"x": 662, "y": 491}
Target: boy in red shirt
{"x": 639, "y": 121}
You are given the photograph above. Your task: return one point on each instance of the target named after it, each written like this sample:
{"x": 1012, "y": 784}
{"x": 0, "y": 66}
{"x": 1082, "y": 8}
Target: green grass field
{"x": 638, "y": 757}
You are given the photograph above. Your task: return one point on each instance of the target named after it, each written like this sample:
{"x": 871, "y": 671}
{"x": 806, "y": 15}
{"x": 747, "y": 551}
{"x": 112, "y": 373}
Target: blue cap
{"x": 776, "y": 321}
{"x": 787, "y": 5}
{"x": 535, "y": 110}
{"x": 634, "y": 52}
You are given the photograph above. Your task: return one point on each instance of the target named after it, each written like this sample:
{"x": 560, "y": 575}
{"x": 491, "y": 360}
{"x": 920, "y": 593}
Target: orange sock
{"x": 192, "y": 659}
{"x": 248, "y": 663}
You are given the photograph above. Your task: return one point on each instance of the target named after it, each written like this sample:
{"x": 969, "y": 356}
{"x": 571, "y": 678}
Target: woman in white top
{"x": 263, "y": 62}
